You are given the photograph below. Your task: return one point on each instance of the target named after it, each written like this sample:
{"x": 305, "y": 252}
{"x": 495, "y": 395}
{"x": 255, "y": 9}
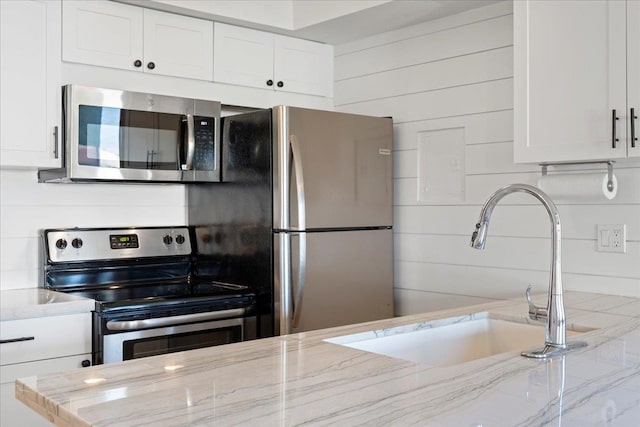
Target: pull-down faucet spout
{"x": 555, "y": 333}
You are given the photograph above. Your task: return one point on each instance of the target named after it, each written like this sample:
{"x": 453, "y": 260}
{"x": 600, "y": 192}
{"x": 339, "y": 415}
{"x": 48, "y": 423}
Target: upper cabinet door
{"x": 117, "y": 35}
{"x": 103, "y": 33}
{"x": 269, "y": 61}
{"x": 303, "y": 66}
{"x": 569, "y": 77}
{"x": 243, "y": 56}
{"x": 30, "y": 80}
{"x": 633, "y": 76}
{"x": 177, "y": 45}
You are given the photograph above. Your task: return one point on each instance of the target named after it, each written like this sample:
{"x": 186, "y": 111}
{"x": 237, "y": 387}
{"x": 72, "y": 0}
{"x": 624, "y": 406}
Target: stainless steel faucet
{"x": 556, "y": 331}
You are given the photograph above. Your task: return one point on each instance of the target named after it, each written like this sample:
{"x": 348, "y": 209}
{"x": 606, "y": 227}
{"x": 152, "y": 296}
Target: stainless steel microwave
{"x": 115, "y": 135}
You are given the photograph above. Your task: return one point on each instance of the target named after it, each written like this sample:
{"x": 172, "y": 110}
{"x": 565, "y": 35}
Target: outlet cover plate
{"x": 612, "y": 238}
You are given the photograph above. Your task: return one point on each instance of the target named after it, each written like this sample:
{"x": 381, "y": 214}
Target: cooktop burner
{"x": 135, "y": 293}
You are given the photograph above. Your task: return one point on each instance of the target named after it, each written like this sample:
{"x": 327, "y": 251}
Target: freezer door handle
{"x": 302, "y": 251}
{"x": 297, "y": 167}
{"x": 302, "y": 273}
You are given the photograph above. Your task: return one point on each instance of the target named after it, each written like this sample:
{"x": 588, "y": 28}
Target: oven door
{"x": 133, "y": 344}
{"x": 131, "y": 136}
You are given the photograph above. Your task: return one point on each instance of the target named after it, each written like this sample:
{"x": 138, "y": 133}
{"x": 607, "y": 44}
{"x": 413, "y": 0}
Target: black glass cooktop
{"x": 149, "y": 295}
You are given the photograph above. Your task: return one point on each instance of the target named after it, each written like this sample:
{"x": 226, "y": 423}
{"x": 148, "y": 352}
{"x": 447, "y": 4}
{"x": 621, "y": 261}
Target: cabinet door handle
{"x": 17, "y": 340}
{"x": 634, "y": 138}
{"x": 55, "y": 141}
{"x": 151, "y": 65}
{"x": 614, "y": 139}
{"x": 280, "y": 84}
{"x": 269, "y": 82}
{"x": 137, "y": 63}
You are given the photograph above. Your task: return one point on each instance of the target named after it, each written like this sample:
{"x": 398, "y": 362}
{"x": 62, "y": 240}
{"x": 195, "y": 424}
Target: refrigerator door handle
{"x": 302, "y": 261}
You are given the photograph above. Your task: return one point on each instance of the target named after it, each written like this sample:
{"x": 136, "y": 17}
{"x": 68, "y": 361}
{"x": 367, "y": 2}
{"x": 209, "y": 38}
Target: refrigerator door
{"x": 346, "y": 165}
{"x": 348, "y": 279}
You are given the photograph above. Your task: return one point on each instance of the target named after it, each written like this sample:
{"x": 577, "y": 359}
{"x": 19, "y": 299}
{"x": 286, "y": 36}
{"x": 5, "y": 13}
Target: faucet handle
{"x": 535, "y": 312}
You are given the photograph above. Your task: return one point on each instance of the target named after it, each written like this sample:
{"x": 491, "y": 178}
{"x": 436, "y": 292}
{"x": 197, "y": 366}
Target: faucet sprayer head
{"x": 479, "y": 236}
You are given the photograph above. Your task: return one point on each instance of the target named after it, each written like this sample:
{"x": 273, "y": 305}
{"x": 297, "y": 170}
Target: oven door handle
{"x": 132, "y": 325}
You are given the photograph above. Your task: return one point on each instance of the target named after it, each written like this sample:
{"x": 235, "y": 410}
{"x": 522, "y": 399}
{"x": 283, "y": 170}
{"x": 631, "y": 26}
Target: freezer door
{"x": 346, "y": 165}
{"x": 348, "y": 278}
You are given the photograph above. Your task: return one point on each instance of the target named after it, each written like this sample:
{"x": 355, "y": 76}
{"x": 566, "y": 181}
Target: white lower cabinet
{"x": 39, "y": 346}
{"x": 14, "y": 413}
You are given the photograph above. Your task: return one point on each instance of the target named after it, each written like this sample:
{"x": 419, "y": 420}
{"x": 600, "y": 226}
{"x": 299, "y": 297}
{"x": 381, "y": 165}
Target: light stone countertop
{"x": 38, "y": 302}
{"x": 301, "y": 380}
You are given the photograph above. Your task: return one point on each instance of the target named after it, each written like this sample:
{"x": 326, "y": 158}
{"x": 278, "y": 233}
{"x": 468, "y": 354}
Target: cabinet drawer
{"x": 12, "y": 411}
{"x": 9, "y": 373}
{"x": 53, "y": 336}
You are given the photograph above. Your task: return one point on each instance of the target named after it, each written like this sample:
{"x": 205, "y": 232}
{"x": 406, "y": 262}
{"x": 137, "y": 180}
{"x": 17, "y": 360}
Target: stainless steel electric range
{"x": 147, "y": 300}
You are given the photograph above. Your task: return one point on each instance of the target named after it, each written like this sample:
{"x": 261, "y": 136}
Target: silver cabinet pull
{"x": 17, "y": 340}
{"x": 55, "y": 142}
{"x": 302, "y": 261}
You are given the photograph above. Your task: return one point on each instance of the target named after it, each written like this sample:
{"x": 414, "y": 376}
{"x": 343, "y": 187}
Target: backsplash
{"x": 27, "y": 207}
{"x": 450, "y": 81}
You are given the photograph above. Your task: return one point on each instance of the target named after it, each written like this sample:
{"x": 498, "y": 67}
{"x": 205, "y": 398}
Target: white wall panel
{"x": 578, "y": 221}
{"x": 476, "y": 98}
{"x": 462, "y": 40}
{"x": 26, "y": 207}
{"x": 481, "y": 128}
{"x": 434, "y": 76}
{"x": 488, "y": 65}
{"x": 578, "y": 256}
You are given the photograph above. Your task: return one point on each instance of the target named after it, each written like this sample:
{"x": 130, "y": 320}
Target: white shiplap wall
{"x": 26, "y": 207}
{"x": 458, "y": 72}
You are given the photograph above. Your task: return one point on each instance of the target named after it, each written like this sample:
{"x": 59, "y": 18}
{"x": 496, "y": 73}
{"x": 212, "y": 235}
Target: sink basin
{"x": 449, "y": 341}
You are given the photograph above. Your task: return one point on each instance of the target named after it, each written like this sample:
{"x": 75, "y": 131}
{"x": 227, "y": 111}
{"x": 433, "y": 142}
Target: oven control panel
{"x": 85, "y": 244}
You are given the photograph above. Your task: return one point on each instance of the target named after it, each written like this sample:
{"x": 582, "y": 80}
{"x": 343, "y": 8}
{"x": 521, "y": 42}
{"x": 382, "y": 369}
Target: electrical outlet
{"x": 612, "y": 238}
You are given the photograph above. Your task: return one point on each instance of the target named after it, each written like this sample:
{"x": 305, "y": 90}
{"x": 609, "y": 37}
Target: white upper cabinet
{"x": 242, "y": 56}
{"x": 303, "y": 66}
{"x": 102, "y": 33}
{"x": 573, "y": 88}
{"x": 633, "y": 77}
{"x": 128, "y": 37}
{"x": 178, "y": 45}
{"x": 30, "y": 80}
{"x": 270, "y": 61}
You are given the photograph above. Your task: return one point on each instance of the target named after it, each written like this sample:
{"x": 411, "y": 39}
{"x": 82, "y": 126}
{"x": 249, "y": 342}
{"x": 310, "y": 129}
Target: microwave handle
{"x": 191, "y": 142}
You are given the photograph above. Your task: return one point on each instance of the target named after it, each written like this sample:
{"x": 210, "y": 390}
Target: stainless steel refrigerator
{"x": 303, "y": 214}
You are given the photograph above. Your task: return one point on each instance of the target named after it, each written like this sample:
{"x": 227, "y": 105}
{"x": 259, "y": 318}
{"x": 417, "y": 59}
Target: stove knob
{"x": 167, "y": 239}
{"x": 180, "y": 239}
{"x": 61, "y": 243}
{"x": 76, "y": 243}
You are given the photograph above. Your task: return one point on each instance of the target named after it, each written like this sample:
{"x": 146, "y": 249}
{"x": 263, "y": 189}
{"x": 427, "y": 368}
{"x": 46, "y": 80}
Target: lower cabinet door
{"x": 14, "y": 413}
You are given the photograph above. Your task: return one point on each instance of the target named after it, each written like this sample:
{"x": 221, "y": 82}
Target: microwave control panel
{"x": 205, "y": 142}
